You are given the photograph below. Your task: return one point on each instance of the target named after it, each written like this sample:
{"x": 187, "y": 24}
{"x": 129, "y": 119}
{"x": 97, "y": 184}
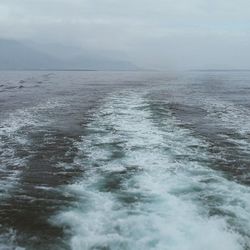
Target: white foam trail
{"x": 12, "y": 136}
{"x": 27, "y": 117}
{"x": 148, "y": 185}
{"x": 8, "y": 241}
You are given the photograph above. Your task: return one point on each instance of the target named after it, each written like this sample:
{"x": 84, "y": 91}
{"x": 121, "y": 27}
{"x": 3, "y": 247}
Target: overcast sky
{"x": 164, "y": 34}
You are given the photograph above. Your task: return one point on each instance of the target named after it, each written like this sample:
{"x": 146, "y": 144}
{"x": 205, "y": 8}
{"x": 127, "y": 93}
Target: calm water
{"x": 125, "y": 160}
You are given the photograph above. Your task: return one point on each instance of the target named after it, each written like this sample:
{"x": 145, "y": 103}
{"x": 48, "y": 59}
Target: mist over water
{"x": 125, "y": 160}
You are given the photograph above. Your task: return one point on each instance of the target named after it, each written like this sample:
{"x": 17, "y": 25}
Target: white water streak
{"x": 148, "y": 185}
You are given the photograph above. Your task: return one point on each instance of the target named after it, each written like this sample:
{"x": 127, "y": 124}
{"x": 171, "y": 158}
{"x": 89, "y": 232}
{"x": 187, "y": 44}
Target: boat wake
{"x": 148, "y": 183}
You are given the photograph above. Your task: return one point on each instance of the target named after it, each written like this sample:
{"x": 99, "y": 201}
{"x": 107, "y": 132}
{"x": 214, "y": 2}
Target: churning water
{"x": 126, "y": 161}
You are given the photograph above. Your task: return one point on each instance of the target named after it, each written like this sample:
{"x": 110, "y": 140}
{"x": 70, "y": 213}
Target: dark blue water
{"x": 125, "y": 160}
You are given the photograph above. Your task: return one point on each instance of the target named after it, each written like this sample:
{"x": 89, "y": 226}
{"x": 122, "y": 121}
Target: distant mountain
{"x": 16, "y": 55}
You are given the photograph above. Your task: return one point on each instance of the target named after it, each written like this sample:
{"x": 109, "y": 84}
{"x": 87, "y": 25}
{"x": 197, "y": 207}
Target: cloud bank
{"x": 160, "y": 34}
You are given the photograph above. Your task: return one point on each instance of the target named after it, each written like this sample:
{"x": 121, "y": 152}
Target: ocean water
{"x": 125, "y": 160}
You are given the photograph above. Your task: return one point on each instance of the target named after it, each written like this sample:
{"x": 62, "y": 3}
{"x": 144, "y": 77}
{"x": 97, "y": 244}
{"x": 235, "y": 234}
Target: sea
{"x": 102, "y": 160}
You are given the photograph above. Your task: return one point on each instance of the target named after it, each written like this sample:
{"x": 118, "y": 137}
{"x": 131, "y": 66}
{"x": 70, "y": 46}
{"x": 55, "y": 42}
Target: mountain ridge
{"x": 15, "y": 55}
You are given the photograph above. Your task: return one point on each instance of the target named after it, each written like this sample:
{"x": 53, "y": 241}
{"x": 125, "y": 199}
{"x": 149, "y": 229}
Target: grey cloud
{"x": 152, "y": 33}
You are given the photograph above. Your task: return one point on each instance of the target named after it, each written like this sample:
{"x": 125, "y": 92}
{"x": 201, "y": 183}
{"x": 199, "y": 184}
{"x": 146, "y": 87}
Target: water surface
{"x": 125, "y": 160}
